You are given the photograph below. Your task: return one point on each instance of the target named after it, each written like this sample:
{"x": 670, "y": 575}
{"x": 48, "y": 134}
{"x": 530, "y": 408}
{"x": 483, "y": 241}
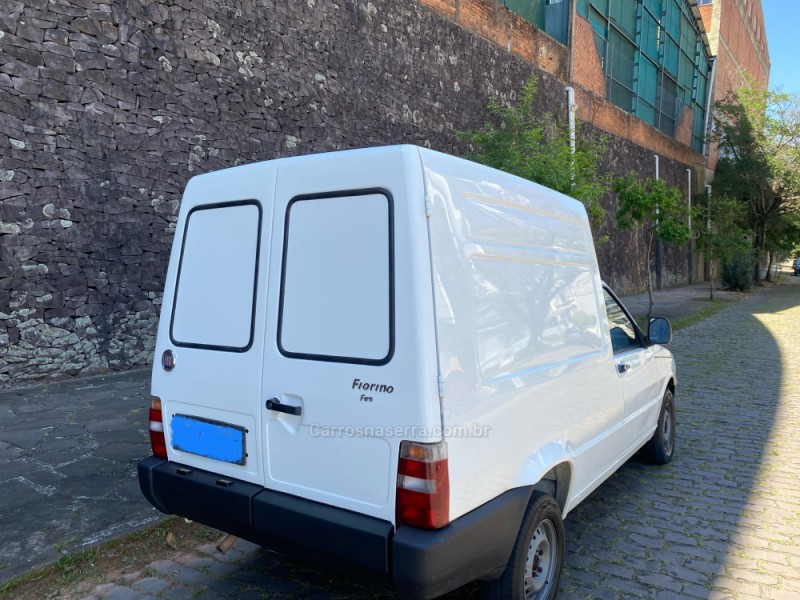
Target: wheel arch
{"x": 556, "y": 483}
{"x": 550, "y": 470}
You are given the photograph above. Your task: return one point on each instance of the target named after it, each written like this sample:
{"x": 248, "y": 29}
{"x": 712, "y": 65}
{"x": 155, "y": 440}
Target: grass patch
{"x": 110, "y": 560}
{"x": 714, "y": 306}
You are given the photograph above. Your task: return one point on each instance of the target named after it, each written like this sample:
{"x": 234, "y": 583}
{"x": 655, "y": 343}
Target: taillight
{"x": 157, "y": 441}
{"x": 423, "y": 485}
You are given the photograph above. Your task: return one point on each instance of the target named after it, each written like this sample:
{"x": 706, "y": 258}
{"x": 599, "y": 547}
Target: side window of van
{"x": 623, "y": 333}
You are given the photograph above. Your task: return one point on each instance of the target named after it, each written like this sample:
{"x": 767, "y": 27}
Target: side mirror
{"x": 659, "y": 331}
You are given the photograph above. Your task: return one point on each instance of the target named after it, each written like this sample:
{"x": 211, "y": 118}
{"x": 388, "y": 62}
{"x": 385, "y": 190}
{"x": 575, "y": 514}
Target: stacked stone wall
{"x": 108, "y": 107}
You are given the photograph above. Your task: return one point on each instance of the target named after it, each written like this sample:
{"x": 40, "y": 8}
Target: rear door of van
{"x": 212, "y": 322}
{"x": 349, "y": 363}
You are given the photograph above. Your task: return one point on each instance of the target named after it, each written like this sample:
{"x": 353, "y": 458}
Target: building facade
{"x": 108, "y": 108}
{"x": 738, "y": 43}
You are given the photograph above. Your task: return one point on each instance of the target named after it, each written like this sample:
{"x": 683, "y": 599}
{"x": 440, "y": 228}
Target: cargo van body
{"x": 377, "y": 358}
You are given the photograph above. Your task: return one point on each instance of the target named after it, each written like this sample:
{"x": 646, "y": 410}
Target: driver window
{"x": 623, "y": 333}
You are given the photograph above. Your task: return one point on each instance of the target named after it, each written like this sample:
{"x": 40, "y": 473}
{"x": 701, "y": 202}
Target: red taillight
{"x": 423, "y": 486}
{"x": 157, "y": 442}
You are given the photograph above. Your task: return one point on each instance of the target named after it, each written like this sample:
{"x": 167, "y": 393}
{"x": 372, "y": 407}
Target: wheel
{"x": 659, "y": 449}
{"x": 534, "y": 567}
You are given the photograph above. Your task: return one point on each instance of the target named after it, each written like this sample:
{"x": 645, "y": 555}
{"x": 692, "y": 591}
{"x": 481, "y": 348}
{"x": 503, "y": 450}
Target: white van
{"x": 397, "y": 362}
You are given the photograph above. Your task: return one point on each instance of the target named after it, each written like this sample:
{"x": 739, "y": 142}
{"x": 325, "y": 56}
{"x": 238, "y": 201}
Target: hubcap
{"x": 540, "y": 563}
{"x": 668, "y": 441}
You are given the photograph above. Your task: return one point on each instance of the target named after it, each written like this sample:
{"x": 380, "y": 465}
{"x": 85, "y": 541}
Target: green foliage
{"x": 651, "y": 203}
{"x": 758, "y": 132}
{"x": 737, "y": 270}
{"x": 784, "y": 234}
{"x": 657, "y": 209}
{"x": 721, "y": 233}
{"x": 538, "y": 149}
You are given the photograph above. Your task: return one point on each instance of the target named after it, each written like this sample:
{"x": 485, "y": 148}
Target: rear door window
{"x": 337, "y": 280}
{"x": 216, "y": 288}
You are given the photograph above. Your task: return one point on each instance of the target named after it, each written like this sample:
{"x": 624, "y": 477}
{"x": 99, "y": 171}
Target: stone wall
{"x": 108, "y": 107}
{"x": 622, "y": 258}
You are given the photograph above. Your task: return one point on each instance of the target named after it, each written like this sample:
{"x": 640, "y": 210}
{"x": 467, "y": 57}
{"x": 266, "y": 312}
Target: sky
{"x": 781, "y": 19}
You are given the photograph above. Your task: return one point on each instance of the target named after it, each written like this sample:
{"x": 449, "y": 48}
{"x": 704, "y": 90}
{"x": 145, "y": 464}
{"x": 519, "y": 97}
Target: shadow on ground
{"x": 706, "y": 525}
{"x": 720, "y": 520}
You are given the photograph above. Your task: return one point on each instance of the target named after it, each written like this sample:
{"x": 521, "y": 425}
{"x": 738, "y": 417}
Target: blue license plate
{"x": 208, "y": 438}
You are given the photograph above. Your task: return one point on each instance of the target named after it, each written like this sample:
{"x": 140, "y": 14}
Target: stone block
{"x": 30, "y": 32}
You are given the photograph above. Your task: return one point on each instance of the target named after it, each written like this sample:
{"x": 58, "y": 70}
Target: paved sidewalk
{"x": 679, "y": 302}
{"x": 68, "y": 453}
{"x": 686, "y": 300}
{"x": 715, "y": 519}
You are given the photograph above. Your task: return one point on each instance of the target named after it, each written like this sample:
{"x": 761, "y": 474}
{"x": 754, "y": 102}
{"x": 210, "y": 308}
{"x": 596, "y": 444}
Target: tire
{"x": 538, "y": 551}
{"x": 659, "y": 449}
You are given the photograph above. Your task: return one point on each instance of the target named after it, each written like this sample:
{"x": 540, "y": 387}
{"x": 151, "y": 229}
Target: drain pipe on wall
{"x": 707, "y": 264}
{"x": 658, "y": 240}
{"x": 689, "y": 247}
{"x": 572, "y": 108}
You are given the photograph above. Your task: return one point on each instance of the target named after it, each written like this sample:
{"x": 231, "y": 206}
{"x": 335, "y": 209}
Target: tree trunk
{"x": 649, "y": 277}
{"x": 711, "y": 280}
{"x": 757, "y": 248}
{"x": 769, "y": 267}
{"x": 761, "y": 244}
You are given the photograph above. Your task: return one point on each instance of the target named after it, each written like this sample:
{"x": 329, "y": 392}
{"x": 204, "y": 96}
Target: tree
{"x": 758, "y": 132}
{"x": 655, "y": 209}
{"x": 783, "y": 239}
{"x": 722, "y": 235}
{"x": 516, "y": 141}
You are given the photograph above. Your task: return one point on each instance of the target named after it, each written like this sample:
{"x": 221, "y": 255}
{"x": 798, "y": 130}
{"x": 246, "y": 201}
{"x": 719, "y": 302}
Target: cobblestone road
{"x": 721, "y": 521}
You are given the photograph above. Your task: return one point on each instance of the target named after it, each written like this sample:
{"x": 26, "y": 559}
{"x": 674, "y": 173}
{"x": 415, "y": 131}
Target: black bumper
{"x": 418, "y": 563}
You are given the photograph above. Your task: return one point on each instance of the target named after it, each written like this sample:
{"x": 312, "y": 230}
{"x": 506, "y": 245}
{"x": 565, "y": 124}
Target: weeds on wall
{"x": 517, "y": 141}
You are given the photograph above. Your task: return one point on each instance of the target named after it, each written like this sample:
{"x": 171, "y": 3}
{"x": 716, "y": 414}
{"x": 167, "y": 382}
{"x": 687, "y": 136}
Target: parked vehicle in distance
{"x": 397, "y": 362}
{"x": 797, "y": 266}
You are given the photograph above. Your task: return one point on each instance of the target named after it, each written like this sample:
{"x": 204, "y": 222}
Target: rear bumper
{"x": 418, "y": 563}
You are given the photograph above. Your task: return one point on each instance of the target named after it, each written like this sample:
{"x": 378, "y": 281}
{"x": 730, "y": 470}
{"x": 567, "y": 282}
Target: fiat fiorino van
{"x": 396, "y": 362}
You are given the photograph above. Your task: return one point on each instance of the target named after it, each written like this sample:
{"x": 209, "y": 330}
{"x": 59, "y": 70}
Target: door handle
{"x": 623, "y": 367}
{"x": 275, "y": 404}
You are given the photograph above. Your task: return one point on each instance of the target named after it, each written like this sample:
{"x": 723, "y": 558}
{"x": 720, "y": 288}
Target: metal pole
{"x": 658, "y": 240}
{"x": 708, "y": 227}
{"x": 709, "y": 97}
{"x": 572, "y": 108}
{"x": 689, "y": 247}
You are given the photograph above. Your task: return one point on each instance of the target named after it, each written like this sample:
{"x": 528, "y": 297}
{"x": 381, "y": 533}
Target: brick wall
{"x": 587, "y": 70}
{"x": 108, "y": 107}
{"x": 706, "y": 12}
{"x": 492, "y": 21}
{"x": 741, "y": 48}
